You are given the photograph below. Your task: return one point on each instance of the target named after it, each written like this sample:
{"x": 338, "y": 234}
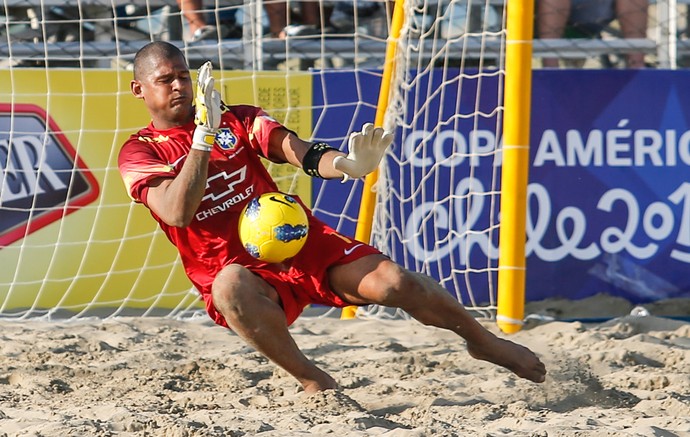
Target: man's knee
{"x": 395, "y": 285}
{"x": 233, "y": 286}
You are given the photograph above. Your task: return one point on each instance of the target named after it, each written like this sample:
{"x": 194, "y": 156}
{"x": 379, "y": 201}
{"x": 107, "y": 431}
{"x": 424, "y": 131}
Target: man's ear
{"x": 135, "y": 87}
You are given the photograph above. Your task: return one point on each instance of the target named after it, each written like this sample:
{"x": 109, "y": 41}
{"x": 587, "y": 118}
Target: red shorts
{"x": 306, "y": 281}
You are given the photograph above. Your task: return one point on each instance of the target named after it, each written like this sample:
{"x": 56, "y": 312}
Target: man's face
{"x": 166, "y": 88}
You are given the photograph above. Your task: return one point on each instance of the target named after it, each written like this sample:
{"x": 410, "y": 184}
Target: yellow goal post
{"x": 515, "y": 157}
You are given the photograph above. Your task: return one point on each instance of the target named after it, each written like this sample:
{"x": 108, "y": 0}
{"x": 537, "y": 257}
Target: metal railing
{"x": 255, "y": 51}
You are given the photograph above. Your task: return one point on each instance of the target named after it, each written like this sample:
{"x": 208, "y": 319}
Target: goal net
{"x": 73, "y": 244}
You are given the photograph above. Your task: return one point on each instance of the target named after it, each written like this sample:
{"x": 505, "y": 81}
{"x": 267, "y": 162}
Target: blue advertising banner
{"x": 610, "y": 164}
{"x": 609, "y": 192}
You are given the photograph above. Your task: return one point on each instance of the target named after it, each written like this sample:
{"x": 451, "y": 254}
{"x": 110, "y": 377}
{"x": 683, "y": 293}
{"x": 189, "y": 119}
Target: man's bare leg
{"x": 551, "y": 19}
{"x": 277, "y": 17}
{"x": 192, "y": 11}
{"x": 250, "y": 307}
{"x": 384, "y": 282}
{"x": 632, "y": 16}
{"x": 440, "y": 309}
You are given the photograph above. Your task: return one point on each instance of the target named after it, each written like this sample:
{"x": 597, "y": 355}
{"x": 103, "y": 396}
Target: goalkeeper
{"x": 197, "y": 164}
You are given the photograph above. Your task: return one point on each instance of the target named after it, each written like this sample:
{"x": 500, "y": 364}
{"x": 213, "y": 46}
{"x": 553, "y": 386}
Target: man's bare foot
{"x": 514, "y": 357}
{"x": 320, "y": 382}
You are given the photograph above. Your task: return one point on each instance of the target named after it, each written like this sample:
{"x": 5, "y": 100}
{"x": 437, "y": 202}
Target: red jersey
{"x": 235, "y": 175}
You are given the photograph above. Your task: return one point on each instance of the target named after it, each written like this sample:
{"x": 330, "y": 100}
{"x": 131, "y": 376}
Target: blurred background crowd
{"x": 615, "y": 33}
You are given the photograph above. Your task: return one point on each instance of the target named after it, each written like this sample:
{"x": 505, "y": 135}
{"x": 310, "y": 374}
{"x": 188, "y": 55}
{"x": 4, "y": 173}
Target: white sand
{"x": 157, "y": 377}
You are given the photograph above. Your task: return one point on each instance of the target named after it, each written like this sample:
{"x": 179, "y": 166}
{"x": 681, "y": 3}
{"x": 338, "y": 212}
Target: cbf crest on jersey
{"x": 225, "y": 139}
{"x": 41, "y": 177}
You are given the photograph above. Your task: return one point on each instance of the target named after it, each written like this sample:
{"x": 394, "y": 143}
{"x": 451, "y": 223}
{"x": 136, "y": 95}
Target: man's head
{"x": 162, "y": 80}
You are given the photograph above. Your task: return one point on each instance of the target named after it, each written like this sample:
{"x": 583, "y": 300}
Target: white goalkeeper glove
{"x": 366, "y": 148}
{"x": 207, "y": 117}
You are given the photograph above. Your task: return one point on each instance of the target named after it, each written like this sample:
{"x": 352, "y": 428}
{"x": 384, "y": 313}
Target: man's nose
{"x": 178, "y": 83}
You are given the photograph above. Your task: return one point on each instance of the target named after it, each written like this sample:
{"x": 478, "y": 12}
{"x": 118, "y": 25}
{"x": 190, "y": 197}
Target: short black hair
{"x": 153, "y": 50}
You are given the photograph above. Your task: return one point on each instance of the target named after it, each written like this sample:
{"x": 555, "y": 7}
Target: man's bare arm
{"x": 176, "y": 200}
{"x": 286, "y": 146}
{"x": 365, "y": 151}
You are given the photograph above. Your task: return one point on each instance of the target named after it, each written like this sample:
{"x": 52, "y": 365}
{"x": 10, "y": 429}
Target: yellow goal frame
{"x": 515, "y": 166}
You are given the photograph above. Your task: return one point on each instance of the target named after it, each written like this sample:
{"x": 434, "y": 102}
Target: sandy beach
{"x": 627, "y": 376}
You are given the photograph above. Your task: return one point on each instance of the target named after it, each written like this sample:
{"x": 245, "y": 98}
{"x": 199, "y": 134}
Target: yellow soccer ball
{"x": 273, "y": 227}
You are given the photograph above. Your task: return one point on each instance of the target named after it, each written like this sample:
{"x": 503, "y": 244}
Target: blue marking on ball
{"x": 253, "y": 208}
{"x": 288, "y": 232}
{"x": 252, "y": 249}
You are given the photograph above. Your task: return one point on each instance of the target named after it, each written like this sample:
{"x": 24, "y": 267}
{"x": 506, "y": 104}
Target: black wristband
{"x": 310, "y": 162}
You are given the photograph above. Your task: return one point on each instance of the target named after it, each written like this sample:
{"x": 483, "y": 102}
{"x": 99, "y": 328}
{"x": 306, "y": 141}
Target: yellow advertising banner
{"x": 70, "y": 237}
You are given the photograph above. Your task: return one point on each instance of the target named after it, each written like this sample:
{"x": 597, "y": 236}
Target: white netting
{"x": 437, "y": 195}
